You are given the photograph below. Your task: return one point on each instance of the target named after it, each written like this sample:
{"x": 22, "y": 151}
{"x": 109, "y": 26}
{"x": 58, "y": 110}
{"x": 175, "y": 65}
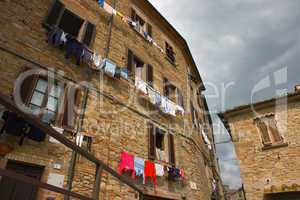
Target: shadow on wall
{"x": 283, "y": 196}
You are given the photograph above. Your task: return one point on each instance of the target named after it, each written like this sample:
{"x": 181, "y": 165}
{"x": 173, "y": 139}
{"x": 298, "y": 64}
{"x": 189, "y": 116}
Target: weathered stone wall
{"x": 114, "y": 127}
{"x": 268, "y": 171}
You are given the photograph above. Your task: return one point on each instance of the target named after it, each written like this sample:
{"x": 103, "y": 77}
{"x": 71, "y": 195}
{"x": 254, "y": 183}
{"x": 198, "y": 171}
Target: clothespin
{"x": 120, "y": 14}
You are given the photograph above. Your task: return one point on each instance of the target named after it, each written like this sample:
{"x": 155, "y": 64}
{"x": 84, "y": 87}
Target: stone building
{"x": 266, "y": 141}
{"x": 110, "y": 77}
{"x": 234, "y": 194}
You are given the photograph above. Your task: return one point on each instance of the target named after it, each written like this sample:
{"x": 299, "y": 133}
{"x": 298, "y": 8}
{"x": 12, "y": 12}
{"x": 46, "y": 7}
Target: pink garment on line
{"x": 126, "y": 163}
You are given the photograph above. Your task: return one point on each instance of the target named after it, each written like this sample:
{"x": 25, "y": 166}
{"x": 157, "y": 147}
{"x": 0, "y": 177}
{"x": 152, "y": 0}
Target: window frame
{"x": 46, "y": 95}
{"x": 170, "y": 52}
{"x": 267, "y": 131}
{"x": 28, "y": 87}
{"x": 82, "y": 33}
{"x": 132, "y": 62}
{"x": 147, "y": 27}
{"x": 169, "y": 151}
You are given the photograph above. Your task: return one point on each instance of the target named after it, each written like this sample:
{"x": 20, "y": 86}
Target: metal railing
{"x": 100, "y": 166}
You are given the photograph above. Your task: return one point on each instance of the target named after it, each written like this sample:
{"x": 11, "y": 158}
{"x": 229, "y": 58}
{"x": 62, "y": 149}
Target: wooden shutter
{"x": 89, "y": 34}
{"x": 130, "y": 62}
{"x": 149, "y": 30}
{"x": 180, "y": 98}
{"x": 192, "y": 112}
{"x": 171, "y": 149}
{"x": 274, "y": 130}
{"x": 150, "y": 75}
{"x": 27, "y": 88}
{"x": 72, "y": 102}
{"x": 54, "y": 13}
{"x": 264, "y": 132}
{"x": 133, "y": 15}
{"x": 152, "y": 142}
{"x": 166, "y": 87}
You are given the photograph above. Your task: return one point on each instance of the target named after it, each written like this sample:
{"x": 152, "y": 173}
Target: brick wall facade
{"x": 113, "y": 126}
{"x": 271, "y": 169}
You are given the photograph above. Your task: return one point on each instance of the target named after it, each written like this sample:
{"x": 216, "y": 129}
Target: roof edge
{"x": 186, "y": 46}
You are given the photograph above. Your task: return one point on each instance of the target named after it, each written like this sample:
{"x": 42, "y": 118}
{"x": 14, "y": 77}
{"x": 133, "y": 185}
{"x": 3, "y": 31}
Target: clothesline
{"x": 144, "y": 168}
{"x": 130, "y": 22}
{"x": 58, "y": 37}
{"x": 165, "y": 104}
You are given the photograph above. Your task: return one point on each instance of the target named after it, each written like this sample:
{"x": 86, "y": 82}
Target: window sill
{"x": 275, "y": 146}
{"x": 141, "y": 35}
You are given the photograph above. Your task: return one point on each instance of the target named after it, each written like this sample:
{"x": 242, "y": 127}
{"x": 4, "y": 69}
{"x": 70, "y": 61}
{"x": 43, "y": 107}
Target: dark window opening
{"x": 142, "y": 25}
{"x": 87, "y": 143}
{"x": 180, "y": 99}
{"x": 150, "y": 75}
{"x": 171, "y": 150}
{"x": 70, "y": 23}
{"x": 170, "y": 91}
{"x": 159, "y": 137}
{"x": 149, "y": 30}
{"x": 139, "y": 66}
{"x": 170, "y": 52}
{"x": 54, "y": 14}
{"x": 89, "y": 34}
{"x": 157, "y": 144}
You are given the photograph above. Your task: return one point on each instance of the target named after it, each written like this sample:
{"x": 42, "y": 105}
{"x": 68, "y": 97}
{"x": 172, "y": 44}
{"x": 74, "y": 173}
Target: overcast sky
{"x": 238, "y": 43}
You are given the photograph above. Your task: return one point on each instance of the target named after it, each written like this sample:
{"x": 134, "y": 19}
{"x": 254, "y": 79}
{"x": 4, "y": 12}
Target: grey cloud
{"x": 239, "y": 41}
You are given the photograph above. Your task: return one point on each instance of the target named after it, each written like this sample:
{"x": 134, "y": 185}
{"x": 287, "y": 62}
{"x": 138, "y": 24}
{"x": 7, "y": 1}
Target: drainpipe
{"x": 71, "y": 170}
{"x": 244, "y": 193}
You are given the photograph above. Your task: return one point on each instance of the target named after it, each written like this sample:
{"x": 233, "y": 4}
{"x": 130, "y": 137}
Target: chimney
{"x": 297, "y": 88}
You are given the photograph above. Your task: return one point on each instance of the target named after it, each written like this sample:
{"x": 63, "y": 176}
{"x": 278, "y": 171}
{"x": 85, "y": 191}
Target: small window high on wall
{"x": 70, "y": 22}
{"x": 269, "y": 131}
{"x": 142, "y": 25}
{"x": 170, "y": 52}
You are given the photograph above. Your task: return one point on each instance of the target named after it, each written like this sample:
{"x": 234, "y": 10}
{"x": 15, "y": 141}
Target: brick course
{"x": 114, "y": 127}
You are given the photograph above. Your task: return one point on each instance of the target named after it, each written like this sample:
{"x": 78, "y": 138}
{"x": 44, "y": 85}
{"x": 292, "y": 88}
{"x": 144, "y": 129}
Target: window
{"x": 170, "y": 52}
{"x": 194, "y": 115}
{"x": 70, "y": 23}
{"x": 171, "y": 150}
{"x": 53, "y": 102}
{"x": 46, "y": 97}
{"x": 169, "y": 90}
{"x": 269, "y": 131}
{"x": 159, "y": 138}
{"x": 134, "y": 66}
{"x": 137, "y": 69}
{"x": 180, "y": 99}
{"x": 150, "y": 75}
{"x": 142, "y": 26}
{"x": 138, "y": 66}
{"x": 87, "y": 143}
{"x": 157, "y": 144}
{"x": 173, "y": 93}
